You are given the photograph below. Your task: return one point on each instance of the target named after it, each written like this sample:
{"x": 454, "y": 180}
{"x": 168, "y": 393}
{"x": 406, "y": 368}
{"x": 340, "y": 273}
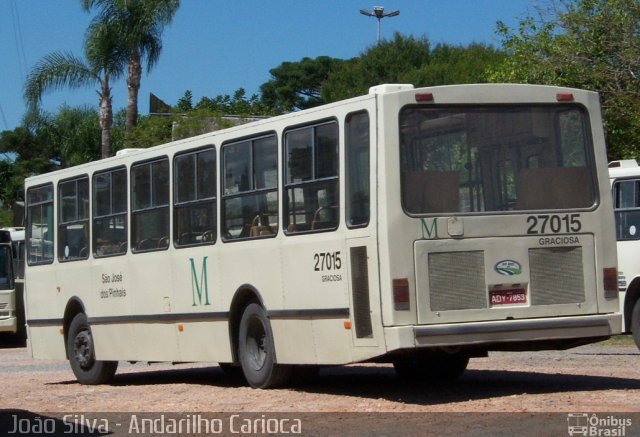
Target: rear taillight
{"x": 401, "y": 294}
{"x": 610, "y": 280}
{"x": 564, "y": 97}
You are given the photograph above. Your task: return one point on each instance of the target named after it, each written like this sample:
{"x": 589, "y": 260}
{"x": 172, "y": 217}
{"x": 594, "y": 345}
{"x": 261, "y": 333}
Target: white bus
{"x": 625, "y": 183}
{"x": 11, "y": 284}
{"x": 419, "y": 227}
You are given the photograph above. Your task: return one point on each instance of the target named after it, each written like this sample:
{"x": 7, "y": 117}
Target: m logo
{"x": 199, "y": 286}
{"x": 429, "y": 231}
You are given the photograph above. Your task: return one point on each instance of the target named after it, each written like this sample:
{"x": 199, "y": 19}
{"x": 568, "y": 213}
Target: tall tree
{"x": 104, "y": 61}
{"x": 298, "y": 85}
{"x": 390, "y": 61}
{"x": 138, "y": 26}
{"x": 592, "y": 44}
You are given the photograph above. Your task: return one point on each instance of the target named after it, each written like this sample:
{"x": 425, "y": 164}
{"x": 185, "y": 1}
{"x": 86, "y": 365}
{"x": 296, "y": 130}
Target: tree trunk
{"x": 133, "y": 86}
{"x": 106, "y": 117}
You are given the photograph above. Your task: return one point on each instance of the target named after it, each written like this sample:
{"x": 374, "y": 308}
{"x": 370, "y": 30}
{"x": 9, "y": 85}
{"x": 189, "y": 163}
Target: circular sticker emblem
{"x": 508, "y": 267}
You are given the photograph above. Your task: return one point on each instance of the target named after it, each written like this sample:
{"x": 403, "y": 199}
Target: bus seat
{"x": 146, "y": 244}
{"x": 258, "y": 230}
{"x": 431, "y": 191}
{"x": 554, "y": 188}
{"x": 163, "y": 242}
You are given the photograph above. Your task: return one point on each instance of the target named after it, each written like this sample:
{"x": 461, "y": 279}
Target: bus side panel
{"x": 199, "y": 300}
{"x": 45, "y": 302}
{"x": 46, "y": 342}
{"x": 314, "y": 290}
{"x": 321, "y": 341}
{"x": 128, "y": 300}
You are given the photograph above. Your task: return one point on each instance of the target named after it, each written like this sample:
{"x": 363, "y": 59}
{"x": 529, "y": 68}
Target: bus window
{"x": 250, "y": 188}
{"x": 110, "y": 212}
{"x": 311, "y": 179}
{"x": 40, "y": 225}
{"x": 6, "y": 270}
{"x": 626, "y": 202}
{"x": 73, "y": 221}
{"x": 194, "y": 213}
{"x": 495, "y": 158}
{"x": 150, "y": 206}
{"x": 357, "y": 154}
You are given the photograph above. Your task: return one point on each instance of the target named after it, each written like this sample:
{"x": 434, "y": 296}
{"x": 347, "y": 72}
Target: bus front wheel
{"x": 257, "y": 350}
{"x": 82, "y": 357}
{"x": 635, "y": 323}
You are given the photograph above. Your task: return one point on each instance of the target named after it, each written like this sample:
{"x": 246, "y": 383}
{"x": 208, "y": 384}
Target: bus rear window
{"x": 495, "y": 158}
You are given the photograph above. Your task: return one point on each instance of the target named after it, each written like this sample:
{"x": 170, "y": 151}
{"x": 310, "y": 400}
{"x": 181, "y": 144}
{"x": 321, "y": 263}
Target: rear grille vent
{"x": 557, "y": 276}
{"x": 456, "y": 281}
{"x": 360, "y": 292}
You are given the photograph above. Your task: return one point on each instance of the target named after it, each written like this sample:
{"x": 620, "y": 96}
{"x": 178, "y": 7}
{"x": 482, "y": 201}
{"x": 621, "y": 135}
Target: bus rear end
{"x": 497, "y": 225}
{"x": 8, "y": 308}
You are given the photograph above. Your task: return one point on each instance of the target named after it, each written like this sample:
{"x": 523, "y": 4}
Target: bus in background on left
{"x": 11, "y": 307}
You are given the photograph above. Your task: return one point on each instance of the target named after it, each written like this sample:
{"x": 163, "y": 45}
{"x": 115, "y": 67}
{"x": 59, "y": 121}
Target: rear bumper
{"x": 503, "y": 331}
{"x": 8, "y": 324}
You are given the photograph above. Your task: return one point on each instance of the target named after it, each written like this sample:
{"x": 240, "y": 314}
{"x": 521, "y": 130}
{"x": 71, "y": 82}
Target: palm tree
{"x": 104, "y": 61}
{"x": 138, "y": 24}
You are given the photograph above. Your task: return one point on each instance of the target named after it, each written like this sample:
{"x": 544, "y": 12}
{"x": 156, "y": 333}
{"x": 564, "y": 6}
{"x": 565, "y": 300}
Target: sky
{"x": 214, "y": 47}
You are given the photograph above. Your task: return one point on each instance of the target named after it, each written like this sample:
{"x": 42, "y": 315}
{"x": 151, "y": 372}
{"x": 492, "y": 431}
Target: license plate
{"x": 507, "y": 297}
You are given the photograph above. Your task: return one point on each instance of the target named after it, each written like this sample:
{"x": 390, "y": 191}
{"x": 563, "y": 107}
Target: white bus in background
{"x": 625, "y": 184}
{"x": 419, "y": 227}
{"x": 12, "y": 317}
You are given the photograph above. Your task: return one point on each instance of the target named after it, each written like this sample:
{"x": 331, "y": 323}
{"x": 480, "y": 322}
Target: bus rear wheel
{"x": 635, "y": 323}
{"x": 82, "y": 356}
{"x": 256, "y": 350}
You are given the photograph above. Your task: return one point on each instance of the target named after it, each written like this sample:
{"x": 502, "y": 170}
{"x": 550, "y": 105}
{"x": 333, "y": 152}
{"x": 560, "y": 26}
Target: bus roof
{"x": 624, "y": 167}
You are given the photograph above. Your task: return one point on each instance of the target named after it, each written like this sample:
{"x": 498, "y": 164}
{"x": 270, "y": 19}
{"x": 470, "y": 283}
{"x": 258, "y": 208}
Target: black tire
{"x": 257, "y": 352}
{"x": 82, "y": 356}
{"x": 635, "y": 323}
{"x": 436, "y": 366}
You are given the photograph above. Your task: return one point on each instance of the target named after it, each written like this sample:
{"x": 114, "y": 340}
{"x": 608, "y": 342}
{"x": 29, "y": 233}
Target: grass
{"x": 620, "y": 340}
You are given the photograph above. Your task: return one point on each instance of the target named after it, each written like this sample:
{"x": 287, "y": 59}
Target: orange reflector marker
{"x": 564, "y": 97}
{"x": 401, "y": 294}
{"x": 424, "y": 97}
{"x": 610, "y": 282}
{"x": 62, "y": 331}
{"x": 347, "y": 324}
{"x": 180, "y": 327}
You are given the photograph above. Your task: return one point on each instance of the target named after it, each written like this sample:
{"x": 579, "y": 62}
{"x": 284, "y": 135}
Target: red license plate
{"x": 506, "y": 297}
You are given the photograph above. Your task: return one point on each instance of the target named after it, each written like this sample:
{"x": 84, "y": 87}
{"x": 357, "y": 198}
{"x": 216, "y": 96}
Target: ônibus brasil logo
{"x": 508, "y": 267}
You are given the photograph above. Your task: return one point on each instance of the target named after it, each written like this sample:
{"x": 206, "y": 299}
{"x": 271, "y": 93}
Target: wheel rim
{"x": 256, "y": 347}
{"x": 83, "y": 349}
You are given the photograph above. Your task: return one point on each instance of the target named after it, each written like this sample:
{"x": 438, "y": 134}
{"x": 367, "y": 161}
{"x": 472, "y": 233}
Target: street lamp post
{"x": 379, "y": 14}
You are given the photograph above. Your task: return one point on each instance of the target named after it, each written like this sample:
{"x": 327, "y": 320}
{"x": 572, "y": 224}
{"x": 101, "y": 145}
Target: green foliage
{"x": 187, "y": 119}
{"x": 590, "y": 44}
{"x": 450, "y": 64}
{"x": 406, "y": 59}
{"x": 238, "y": 104}
{"x": 74, "y": 133}
{"x": 185, "y": 103}
{"x": 387, "y": 62}
{"x": 298, "y": 85}
{"x": 150, "y": 131}
{"x": 6, "y": 218}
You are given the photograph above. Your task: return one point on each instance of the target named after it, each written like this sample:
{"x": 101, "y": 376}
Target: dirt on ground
{"x": 594, "y": 378}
